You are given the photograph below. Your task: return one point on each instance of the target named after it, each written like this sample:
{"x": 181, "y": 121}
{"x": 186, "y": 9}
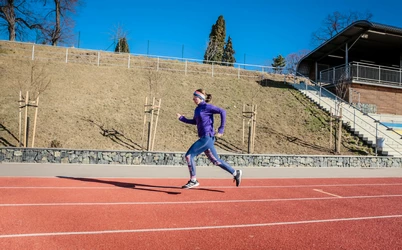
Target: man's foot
{"x": 237, "y": 177}
{"x": 191, "y": 184}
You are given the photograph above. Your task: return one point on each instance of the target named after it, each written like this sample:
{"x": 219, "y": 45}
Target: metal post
{"x": 379, "y": 73}
{"x": 33, "y": 52}
{"x": 357, "y": 70}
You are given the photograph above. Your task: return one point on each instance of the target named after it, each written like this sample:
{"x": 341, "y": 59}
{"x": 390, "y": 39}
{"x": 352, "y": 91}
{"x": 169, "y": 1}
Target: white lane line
{"x": 223, "y": 187}
{"x": 145, "y": 230}
{"x": 193, "y": 202}
{"x": 321, "y": 191}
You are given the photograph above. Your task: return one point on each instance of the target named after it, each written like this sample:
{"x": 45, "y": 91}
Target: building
{"x": 363, "y": 65}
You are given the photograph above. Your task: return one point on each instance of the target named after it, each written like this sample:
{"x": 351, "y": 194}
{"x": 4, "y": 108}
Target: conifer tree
{"x": 278, "y": 64}
{"x": 228, "y": 58}
{"x": 214, "y": 51}
{"x": 122, "y": 46}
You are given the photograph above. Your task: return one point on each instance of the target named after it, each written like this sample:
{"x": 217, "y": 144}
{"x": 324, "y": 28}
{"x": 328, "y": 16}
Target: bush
{"x": 55, "y": 144}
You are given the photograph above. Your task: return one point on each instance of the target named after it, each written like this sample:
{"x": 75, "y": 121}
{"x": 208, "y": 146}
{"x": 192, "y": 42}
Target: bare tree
{"x": 336, "y": 22}
{"x": 293, "y": 58}
{"x": 17, "y": 17}
{"x": 59, "y": 23}
{"x": 119, "y": 37}
{"x": 39, "y": 80}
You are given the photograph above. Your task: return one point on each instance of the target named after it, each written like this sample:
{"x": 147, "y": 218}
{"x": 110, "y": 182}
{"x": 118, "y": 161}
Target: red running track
{"x": 105, "y": 213}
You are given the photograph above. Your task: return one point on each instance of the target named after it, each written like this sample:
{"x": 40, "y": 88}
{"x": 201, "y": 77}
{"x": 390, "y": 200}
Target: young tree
{"x": 17, "y": 17}
{"x": 122, "y": 46}
{"x": 228, "y": 58}
{"x": 214, "y": 51}
{"x": 278, "y": 63}
{"x": 336, "y": 22}
{"x": 59, "y": 24}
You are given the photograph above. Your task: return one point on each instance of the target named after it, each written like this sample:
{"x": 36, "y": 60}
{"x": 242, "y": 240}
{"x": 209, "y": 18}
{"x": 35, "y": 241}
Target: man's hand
{"x": 219, "y": 135}
{"x": 178, "y": 115}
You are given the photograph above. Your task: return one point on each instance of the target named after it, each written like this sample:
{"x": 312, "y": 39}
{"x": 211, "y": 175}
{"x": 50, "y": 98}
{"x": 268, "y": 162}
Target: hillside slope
{"x": 90, "y": 107}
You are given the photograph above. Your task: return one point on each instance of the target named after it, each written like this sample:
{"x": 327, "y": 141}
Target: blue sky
{"x": 260, "y": 30}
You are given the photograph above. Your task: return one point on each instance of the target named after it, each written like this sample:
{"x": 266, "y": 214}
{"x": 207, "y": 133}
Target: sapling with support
{"x": 251, "y": 116}
{"x": 150, "y": 110}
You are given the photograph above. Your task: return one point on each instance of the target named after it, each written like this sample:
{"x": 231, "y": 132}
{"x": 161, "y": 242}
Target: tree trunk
{"x": 57, "y": 29}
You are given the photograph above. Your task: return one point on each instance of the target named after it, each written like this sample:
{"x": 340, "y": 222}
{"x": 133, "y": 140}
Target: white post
{"x": 33, "y": 52}
{"x": 66, "y": 55}
{"x": 212, "y": 67}
{"x": 128, "y": 61}
{"x": 357, "y": 71}
{"x": 157, "y": 65}
{"x": 400, "y": 76}
{"x": 185, "y": 68}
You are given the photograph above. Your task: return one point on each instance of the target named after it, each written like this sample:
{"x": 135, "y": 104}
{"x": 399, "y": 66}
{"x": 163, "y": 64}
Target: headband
{"x": 199, "y": 95}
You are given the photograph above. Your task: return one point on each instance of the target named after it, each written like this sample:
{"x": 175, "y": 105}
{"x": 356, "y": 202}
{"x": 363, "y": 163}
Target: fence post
{"x": 33, "y": 52}
{"x": 376, "y": 137}
{"x": 212, "y": 67}
{"x": 128, "y": 61}
{"x": 357, "y": 71}
{"x": 66, "y": 55}
{"x": 400, "y": 77}
{"x": 333, "y": 75}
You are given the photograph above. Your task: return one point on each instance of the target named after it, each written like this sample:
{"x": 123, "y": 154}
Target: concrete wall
{"x": 37, "y": 155}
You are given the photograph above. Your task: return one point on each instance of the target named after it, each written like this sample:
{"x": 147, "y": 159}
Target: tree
{"x": 120, "y": 35}
{"x": 214, "y": 51}
{"x": 17, "y": 17}
{"x": 122, "y": 46}
{"x": 293, "y": 59}
{"x": 278, "y": 64}
{"x": 336, "y": 22}
{"x": 59, "y": 24}
{"x": 228, "y": 53}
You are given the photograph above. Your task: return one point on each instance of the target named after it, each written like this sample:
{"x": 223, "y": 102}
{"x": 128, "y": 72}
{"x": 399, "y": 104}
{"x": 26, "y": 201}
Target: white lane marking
{"x": 223, "y": 187}
{"x": 145, "y": 230}
{"x": 193, "y": 202}
{"x": 321, "y": 191}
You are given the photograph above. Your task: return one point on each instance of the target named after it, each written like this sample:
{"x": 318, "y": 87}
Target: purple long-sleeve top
{"x": 204, "y": 119}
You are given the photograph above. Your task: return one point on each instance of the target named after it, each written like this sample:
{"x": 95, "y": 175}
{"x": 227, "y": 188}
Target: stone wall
{"x": 38, "y": 155}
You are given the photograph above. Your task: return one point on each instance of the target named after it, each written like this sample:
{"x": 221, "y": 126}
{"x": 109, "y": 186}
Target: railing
{"x": 363, "y": 72}
{"x": 352, "y": 116}
{"x": 129, "y": 60}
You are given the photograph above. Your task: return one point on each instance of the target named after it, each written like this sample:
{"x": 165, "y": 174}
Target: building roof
{"x": 367, "y": 41}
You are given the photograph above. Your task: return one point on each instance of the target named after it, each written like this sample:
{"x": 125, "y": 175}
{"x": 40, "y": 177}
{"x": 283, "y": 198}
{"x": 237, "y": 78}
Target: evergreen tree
{"x": 122, "y": 46}
{"x": 214, "y": 51}
{"x": 278, "y": 64}
{"x": 228, "y": 58}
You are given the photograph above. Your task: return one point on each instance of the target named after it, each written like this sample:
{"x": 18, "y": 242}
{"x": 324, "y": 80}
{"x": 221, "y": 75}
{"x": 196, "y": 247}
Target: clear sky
{"x": 260, "y": 29}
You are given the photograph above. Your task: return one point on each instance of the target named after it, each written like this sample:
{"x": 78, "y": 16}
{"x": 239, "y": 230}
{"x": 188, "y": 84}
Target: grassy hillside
{"x": 91, "y": 107}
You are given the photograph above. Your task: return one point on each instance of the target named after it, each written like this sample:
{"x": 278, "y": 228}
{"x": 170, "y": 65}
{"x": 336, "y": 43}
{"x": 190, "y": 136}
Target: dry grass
{"x": 91, "y": 107}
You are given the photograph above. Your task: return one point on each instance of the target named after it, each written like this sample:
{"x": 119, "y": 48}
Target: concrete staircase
{"x": 387, "y": 141}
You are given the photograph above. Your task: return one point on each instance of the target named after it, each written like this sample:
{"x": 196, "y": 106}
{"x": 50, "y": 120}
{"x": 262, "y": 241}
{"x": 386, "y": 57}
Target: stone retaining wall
{"x": 43, "y": 155}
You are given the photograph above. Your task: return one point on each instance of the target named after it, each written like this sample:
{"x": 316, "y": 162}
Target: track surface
{"x": 154, "y": 213}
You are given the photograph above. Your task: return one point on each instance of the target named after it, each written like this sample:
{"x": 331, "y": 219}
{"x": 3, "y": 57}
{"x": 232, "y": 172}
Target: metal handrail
{"x": 321, "y": 91}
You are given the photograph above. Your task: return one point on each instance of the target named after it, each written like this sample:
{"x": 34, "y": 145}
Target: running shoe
{"x": 237, "y": 177}
{"x": 191, "y": 184}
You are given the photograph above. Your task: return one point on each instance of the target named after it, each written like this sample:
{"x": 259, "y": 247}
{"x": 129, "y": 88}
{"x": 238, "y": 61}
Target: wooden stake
{"x": 150, "y": 125}
{"x": 254, "y": 124}
{"x": 330, "y": 129}
{"x": 244, "y": 110}
{"x": 34, "y": 126}
{"x": 156, "y": 124}
{"x": 145, "y": 121}
{"x": 20, "y": 117}
{"x": 26, "y": 120}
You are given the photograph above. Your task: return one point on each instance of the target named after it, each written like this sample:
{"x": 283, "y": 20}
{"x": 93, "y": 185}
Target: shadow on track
{"x": 138, "y": 186}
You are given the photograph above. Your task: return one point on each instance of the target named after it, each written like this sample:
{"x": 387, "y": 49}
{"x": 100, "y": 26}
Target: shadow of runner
{"x": 138, "y": 186}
